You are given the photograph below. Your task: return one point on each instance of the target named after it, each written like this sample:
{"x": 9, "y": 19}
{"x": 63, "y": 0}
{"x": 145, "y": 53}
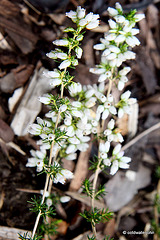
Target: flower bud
{"x": 78, "y": 52}
{"x": 112, "y": 12}
{"x": 64, "y": 64}
{"x": 46, "y": 99}
{"x": 61, "y": 42}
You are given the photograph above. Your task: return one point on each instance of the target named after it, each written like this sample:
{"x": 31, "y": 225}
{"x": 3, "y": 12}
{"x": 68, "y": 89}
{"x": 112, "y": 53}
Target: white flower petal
{"x": 114, "y": 167}
{"x": 117, "y": 149}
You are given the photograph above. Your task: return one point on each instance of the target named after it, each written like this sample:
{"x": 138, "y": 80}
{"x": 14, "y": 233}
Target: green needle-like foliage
{"x": 37, "y": 206}
{"x": 27, "y": 237}
{"x": 97, "y": 215}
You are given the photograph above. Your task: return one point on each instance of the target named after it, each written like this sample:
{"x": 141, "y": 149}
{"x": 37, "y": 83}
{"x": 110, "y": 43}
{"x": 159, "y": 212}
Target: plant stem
{"x": 98, "y": 166}
{"x": 47, "y": 177}
{"x": 44, "y": 192}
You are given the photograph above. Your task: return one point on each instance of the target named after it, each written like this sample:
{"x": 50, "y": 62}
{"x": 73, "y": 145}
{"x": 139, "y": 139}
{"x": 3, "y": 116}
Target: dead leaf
{"x": 88, "y": 53}
{"x": 6, "y": 133}
{"x": 110, "y": 227}
{"x": 147, "y": 70}
{"x": 29, "y": 107}
{"x": 152, "y": 16}
{"x": 2, "y": 196}
{"x": 57, "y": 18}
{"x": 16, "y": 78}
{"x": 81, "y": 170}
{"x": 12, "y": 101}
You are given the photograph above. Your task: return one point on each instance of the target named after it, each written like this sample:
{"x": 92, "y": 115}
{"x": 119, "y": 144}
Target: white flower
{"x": 55, "y": 82}
{"x": 71, "y": 156}
{"x": 61, "y": 42}
{"x": 89, "y": 93}
{"x": 82, "y": 147}
{"x": 74, "y": 89}
{"x": 51, "y": 55}
{"x": 79, "y": 38}
{"x": 92, "y": 24}
{"x": 124, "y": 71}
{"x": 67, "y": 121}
{"x": 107, "y": 161}
{"x": 134, "y": 31}
{"x": 78, "y": 51}
{"x": 111, "y": 124}
{"x": 37, "y": 159}
{"x": 70, "y": 131}
{"x": 76, "y": 104}
{"x": 91, "y": 102}
{"x": 104, "y": 76}
{"x": 111, "y": 36}
{"x": 119, "y": 19}
{"x": 126, "y": 95}
{"x": 49, "y": 202}
{"x": 118, "y": 6}
{"x": 64, "y": 64}
{"x": 114, "y": 167}
{"x": 52, "y": 74}
{"x": 112, "y": 23}
{"x": 80, "y": 12}
{"x": 74, "y": 140}
{"x": 35, "y": 129}
{"x": 75, "y": 62}
{"x": 114, "y": 49}
{"x": 119, "y": 160}
{"x": 82, "y": 22}
{"x": 111, "y": 56}
{"x": 99, "y": 46}
{"x": 132, "y": 41}
{"x": 46, "y": 194}
{"x": 112, "y": 12}
{"x": 139, "y": 17}
{"x": 117, "y": 149}
{"x": 108, "y": 108}
{"x": 122, "y": 81}
{"x": 106, "y": 52}
{"x": 46, "y": 99}
{"x": 71, "y": 149}
{"x": 65, "y": 199}
{"x": 40, "y": 121}
{"x": 72, "y": 15}
{"x": 104, "y": 148}
{"x": 120, "y": 112}
{"x": 61, "y": 55}
{"x": 120, "y": 39}
{"x": 67, "y": 174}
{"x": 63, "y": 108}
{"x": 121, "y": 85}
{"x": 51, "y": 137}
{"x": 129, "y": 55}
{"x": 63, "y": 176}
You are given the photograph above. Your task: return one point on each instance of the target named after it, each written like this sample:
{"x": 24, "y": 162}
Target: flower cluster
{"x": 116, "y": 45}
{"x": 89, "y": 21}
{"x": 68, "y": 122}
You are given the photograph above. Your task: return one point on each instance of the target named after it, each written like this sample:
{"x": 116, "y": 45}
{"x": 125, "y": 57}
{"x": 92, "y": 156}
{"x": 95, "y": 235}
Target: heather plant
{"x": 90, "y": 110}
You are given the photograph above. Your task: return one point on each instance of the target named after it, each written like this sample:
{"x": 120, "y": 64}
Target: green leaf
{"x": 69, "y": 29}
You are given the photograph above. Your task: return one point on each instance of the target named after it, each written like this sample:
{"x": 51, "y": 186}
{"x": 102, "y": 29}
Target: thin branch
{"x": 141, "y": 135}
{"x": 98, "y": 170}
